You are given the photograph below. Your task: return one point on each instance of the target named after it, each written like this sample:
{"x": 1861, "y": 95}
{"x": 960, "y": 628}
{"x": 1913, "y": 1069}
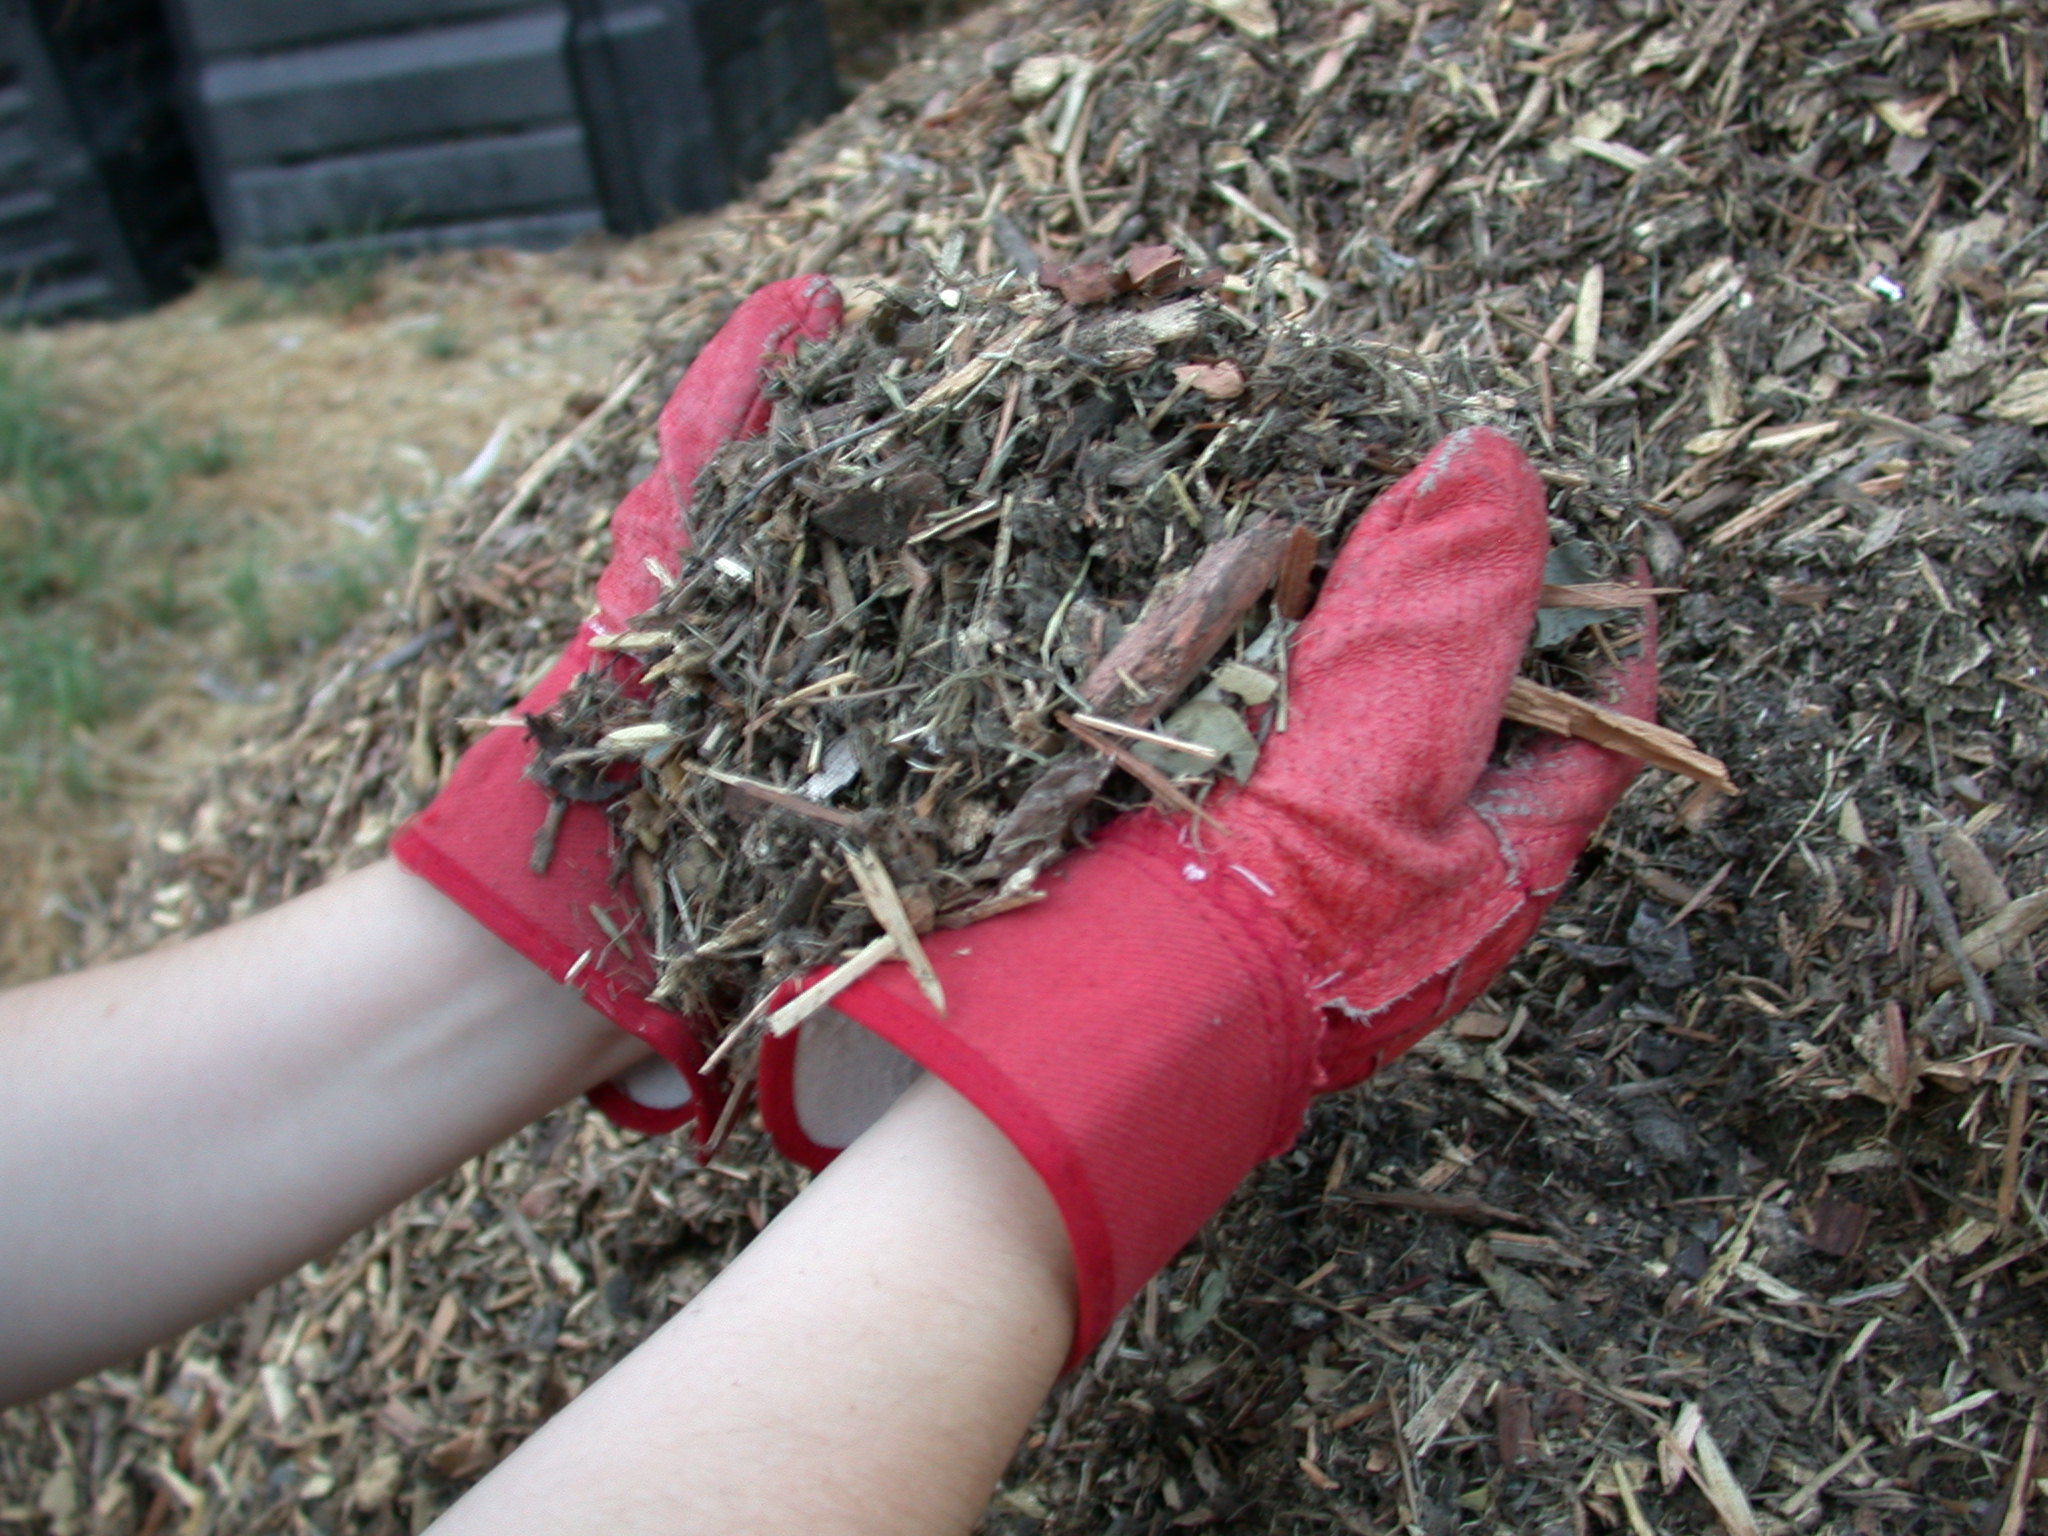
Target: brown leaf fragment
{"x": 1479, "y": 1024}
{"x": 1085, "y": 282}
{"x": 1155, "y": 268}
{"x": 1512, "y": 1423}
{"x": 462, "y": 1455}
{"x": 1254, "y": 18}
{"x": 1837, "y": 1226}
{"x": 1297, "y": 568}
{"x": 880, "y": 516}
{"x": 1547, "y": 709}
{"x": 1213, "y": 381}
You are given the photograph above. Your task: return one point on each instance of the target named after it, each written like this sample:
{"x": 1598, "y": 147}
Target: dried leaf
{"x": 1215, "y": 381}
{"x": 1085, "y": 283}
{"x": 1248, "y": 683}
{"x": 1479, "y": 1024}
{"x": 1214, "y": 727}
{"x": 1155, "y": 268}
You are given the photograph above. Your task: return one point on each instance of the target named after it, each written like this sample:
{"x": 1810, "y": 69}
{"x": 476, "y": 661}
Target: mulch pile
{"x": 1725, "y": 1211}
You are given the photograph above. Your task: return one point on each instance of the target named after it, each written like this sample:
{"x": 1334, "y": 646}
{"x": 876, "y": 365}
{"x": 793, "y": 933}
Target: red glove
{"x": 475, "y": 841}
{"x": 1158, "y": 1023}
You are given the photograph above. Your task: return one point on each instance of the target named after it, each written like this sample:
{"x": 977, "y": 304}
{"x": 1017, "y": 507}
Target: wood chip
{"x": 1427, "y": 1424}
{"x": 1717, "y": 1482}
{"x": 876, "y": 953}
{"x": 1778, "y": 501}
{"x": 1547, "y": 709}
{"x": 1990, "y": 944}
{"x": 1697, "y": 314}
{"x": 1604, "y": 595}
{"x": 878, "y": 889}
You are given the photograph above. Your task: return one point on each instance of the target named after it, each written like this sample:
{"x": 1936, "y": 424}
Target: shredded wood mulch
{"x": 936, "y": 615}
{"x": 1724, "y": 1212}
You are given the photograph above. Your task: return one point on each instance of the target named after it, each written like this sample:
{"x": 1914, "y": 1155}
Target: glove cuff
{"x": 474, "y": 844}
{"x": 1141, "y": 1035}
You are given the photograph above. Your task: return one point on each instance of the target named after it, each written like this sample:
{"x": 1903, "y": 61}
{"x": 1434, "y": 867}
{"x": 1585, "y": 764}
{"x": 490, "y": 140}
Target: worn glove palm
{"x": 475, "y": 841}
{"x": 1157, "y": 1024}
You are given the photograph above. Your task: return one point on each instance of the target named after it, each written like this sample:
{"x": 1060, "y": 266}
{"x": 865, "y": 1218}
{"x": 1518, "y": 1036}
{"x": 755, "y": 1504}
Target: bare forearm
{"x": 186, "y": 1126}
{"x": 865, "y": 1368}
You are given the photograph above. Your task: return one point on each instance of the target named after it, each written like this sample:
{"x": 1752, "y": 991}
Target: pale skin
{"x": 180, "y": 1129}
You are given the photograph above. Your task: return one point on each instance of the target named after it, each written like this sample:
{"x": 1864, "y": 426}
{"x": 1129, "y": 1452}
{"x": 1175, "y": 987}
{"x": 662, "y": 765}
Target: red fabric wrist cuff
{"x": 1141, "y": 1036}
{"x": 474, "y": 846}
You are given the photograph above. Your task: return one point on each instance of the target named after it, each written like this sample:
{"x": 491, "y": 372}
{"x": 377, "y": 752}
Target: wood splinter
{"x": 1547, "y": 709}
{"x": 878, "y": 890}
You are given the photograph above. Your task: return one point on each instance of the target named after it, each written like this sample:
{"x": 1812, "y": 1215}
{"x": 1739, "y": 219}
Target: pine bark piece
{"x": 1177, "y": 636}
{"x": 1146, "y": 670}
{"x": 1547, "y": 709}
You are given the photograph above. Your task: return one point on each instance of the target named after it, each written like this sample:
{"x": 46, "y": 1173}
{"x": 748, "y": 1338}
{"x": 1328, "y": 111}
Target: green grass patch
{"x": 109, "y": 583}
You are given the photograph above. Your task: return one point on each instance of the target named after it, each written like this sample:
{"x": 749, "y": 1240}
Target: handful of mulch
{"x": 1001, "y": 566}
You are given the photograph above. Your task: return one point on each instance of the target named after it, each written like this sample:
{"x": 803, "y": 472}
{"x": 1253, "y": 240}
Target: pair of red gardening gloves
{"x": 1157, "y": 1024}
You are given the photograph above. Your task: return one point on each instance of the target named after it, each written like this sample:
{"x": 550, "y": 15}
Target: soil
{"x": 1724, "y": 1210}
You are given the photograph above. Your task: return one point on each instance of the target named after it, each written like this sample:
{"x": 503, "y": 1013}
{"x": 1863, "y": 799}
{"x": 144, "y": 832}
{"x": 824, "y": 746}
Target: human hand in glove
{"x": 476, "y": 840}
{"x": 1157, "y": 1024}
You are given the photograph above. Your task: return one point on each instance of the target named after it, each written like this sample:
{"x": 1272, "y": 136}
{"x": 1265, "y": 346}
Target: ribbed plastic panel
{"x": 330, "y": 127}
{"x": 99, "y": 199}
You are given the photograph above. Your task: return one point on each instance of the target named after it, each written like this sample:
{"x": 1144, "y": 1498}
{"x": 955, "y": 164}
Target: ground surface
{"x": 1726, "y": 1211}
